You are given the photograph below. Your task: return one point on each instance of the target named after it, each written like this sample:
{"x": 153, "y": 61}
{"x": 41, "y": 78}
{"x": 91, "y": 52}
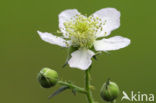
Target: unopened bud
{"x": 109, "y": 91}
{"x": 47, "y": 77}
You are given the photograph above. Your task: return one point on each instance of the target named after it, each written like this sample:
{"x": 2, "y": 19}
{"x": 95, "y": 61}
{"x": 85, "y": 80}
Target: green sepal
{"x": 107, "y": 83}
{"x": 96, "y": 53}
{"x": 70, "y": 50}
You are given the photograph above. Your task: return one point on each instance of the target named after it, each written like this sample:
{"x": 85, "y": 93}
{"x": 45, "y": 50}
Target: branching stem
{"x": 87, "y": 89}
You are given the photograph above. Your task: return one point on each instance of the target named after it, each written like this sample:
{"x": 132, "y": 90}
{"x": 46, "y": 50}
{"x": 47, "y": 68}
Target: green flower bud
{"x": 109, "y": 91}
{"x": 47, "y": 77}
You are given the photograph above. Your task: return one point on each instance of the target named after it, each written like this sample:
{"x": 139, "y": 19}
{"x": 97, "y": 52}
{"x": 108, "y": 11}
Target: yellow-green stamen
{"x": 82, "y": 30}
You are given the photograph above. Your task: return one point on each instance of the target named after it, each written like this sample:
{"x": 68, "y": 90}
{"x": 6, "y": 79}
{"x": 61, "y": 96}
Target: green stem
{"x": 87, "y": 82}
{"x": 87, "y": 89}
{"x": 73, "y": 87}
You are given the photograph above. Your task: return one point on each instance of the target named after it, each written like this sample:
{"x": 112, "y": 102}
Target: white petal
{"x": 113, "y": 43}
{"x": 81, "y": 59}
{"x": 111, "y": 17}
{"x": 52, "y": 39}
{"x": 65, "y": 16}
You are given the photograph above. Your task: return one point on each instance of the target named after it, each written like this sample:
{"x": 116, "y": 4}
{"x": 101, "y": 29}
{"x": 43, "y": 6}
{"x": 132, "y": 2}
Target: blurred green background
{"x": 23, "y": 53}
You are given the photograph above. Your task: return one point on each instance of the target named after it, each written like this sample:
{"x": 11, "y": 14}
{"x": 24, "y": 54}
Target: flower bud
{"x": 109, "y": 91}
{"x": 47, "y": 77}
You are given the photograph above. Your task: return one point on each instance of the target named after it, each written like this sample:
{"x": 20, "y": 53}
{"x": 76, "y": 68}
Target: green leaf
{"x": 58, "y": 91}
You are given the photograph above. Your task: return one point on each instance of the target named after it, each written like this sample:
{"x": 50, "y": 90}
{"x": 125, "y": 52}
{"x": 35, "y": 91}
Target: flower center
{"x": 82, "y": 30}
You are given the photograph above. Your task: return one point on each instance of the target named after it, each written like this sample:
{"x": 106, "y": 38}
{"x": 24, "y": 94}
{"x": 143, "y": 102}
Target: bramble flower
{"x": 86, "y": 34}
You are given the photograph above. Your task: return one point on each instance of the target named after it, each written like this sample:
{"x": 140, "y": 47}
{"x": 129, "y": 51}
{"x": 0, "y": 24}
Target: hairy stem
{"x": 87, "y": 82}
{"x": 73, "y": 87}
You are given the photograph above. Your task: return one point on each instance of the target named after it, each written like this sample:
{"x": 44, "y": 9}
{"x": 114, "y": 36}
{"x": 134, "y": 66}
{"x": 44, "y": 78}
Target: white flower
{"x": 84, "y": 33}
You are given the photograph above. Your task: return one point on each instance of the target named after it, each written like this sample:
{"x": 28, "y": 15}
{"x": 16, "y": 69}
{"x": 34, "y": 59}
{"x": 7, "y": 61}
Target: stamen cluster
{"x": 82, "y": 30}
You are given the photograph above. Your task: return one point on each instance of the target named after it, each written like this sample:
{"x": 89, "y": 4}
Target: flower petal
{"x": 52, "y": 39}
{"x": 81, "y": 59}
{"x": 111, "y": 19}
{"x": 65, "y": 16}
{"x": 113, "y": 43}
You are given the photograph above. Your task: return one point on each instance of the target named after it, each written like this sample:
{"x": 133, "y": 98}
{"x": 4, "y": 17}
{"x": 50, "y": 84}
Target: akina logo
{"x": 138, "y": 96}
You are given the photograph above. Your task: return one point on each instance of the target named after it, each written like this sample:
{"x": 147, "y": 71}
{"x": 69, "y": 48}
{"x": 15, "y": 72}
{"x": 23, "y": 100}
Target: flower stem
{"x": 87, "y": 82}
{"x": 73, "y": 87}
